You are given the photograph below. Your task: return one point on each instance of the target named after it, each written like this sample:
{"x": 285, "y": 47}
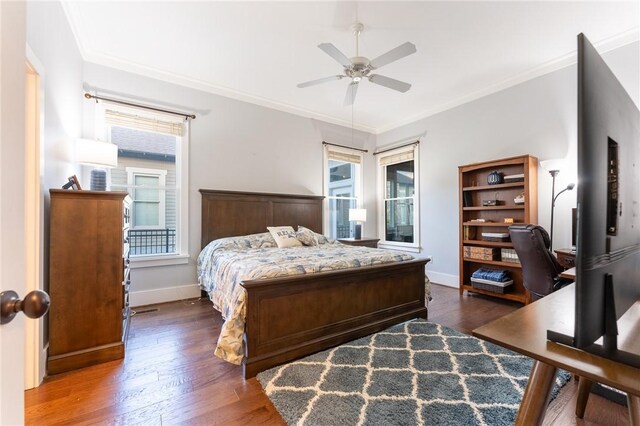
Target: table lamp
{"x": 358, "y": 215}
{"x": 101, "y": 155}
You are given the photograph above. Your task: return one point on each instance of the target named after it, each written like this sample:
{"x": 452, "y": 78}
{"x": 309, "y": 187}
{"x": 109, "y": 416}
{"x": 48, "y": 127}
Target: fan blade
{"x": 350, "y": 97}
{"x": 399, "y": 52}
{"x": 333, "y": 51}
{"x": 320, "y": 80}
{"x": 391, "y": 83}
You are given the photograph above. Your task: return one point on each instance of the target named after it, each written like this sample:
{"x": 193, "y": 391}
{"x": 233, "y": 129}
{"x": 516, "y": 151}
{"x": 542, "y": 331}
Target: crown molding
{"x": 564, "y": 61}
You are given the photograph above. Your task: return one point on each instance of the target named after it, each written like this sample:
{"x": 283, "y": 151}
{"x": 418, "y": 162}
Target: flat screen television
{"x": 608, "y": 215}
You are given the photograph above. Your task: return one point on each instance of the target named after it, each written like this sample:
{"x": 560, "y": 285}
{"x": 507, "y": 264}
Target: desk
{"x": 566, "y": 257}
{"x": 525, "y": 331}
{"x": 569, "y": 274}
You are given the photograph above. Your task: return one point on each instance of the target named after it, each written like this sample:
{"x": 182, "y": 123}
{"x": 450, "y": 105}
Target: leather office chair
{"x": 540, "y": 269}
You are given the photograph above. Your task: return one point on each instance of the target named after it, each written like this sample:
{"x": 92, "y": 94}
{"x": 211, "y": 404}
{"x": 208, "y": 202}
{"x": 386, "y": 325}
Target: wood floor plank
{"x": 170, "y": 376}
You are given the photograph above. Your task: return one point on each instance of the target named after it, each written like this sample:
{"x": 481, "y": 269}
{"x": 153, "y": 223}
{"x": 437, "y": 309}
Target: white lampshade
{"x": 357, "y": 215}
{"x": 96, "y": 153}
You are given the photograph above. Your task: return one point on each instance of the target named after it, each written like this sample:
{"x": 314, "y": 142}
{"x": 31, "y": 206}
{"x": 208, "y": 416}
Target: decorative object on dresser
{"x": 363, "y": 242}
{"x": 72, "y": 183}
{"x": 358, "y": 216}
{"x": 100, "y": 155}
{"x": 88, "y": 278}
{"x": 483, "y": 228}
{"x": 554, "y": 167}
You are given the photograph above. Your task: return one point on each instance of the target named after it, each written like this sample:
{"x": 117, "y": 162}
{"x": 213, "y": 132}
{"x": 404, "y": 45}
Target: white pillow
{"x": 285, "y": 236}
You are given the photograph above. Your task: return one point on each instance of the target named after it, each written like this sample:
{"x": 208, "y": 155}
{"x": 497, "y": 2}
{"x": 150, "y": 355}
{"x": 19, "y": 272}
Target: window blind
{"x": 119, "y": 118}
{"x": 398, "y": 157}
{"x": 343, "y": 156}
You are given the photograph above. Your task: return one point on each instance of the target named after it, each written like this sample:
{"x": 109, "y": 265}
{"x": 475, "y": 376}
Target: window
{"x": 148, "y": 197}
{"x": 152, "y": 168}
{"x": 342, "y": 189}
{"x": 399, "y": 197}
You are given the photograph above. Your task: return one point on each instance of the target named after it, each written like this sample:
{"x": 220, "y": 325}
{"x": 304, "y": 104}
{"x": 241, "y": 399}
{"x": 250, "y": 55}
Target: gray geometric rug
{"x": 415, "y": 373}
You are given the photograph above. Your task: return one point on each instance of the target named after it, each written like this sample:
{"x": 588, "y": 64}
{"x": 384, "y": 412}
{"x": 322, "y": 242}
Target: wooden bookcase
{"x": 473, "y": 190}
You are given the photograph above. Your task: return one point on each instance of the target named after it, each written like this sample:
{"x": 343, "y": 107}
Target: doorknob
{"x": 34, "y": 305}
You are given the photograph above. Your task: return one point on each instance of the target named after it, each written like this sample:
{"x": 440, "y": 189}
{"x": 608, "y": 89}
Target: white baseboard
{"x": 443, "y": 279}
{"x": 161, "y": 295}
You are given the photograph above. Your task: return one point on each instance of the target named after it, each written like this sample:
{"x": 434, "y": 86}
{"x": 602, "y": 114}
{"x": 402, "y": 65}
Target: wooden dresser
{"x": 88, "y": 278}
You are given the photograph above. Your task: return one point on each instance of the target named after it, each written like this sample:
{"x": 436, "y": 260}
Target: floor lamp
{"x": 553, "y": 166}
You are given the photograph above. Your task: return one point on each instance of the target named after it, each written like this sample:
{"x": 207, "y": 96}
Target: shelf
{"x": 494, "y": 208}
{"x": 494, "y": 187}
{"x": 504, "y": 225}
{"x": 488, "y": 243}
{"x": 493, "y": 262}
{"x": 517, "y": 297}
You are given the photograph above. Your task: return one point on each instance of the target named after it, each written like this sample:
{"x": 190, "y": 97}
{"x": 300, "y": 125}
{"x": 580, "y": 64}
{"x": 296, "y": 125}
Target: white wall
{"x": 538, "y": 117}
{"x": 240, "y": 146}
{"x": 51, "y": 39}
{"x": 233, "y": 146}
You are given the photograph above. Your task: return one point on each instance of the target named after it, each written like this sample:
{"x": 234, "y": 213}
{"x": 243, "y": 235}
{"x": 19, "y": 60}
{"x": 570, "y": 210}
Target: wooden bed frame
{"x": 291, "y": 317}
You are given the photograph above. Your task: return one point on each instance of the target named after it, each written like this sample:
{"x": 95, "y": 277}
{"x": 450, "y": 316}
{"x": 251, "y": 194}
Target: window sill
{"x": 399, "y": 247}
{"x": 158, "y": 260}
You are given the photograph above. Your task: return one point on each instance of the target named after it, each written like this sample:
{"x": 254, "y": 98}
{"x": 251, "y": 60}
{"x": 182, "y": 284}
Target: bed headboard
{"x": 232, "y": 213}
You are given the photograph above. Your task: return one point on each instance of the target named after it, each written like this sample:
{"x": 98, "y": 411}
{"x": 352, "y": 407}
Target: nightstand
{"x": 566, "y": 257}
{"x": 363, "y": 242}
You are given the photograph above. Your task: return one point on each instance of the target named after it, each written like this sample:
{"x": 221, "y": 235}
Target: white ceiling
{"x": 259, "y": 51}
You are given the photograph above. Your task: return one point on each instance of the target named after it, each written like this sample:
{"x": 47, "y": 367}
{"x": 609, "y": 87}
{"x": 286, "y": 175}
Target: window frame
{"x": 358, "y": 182}
{"x": 415, "y": 246}
{"x": 181, "y": 255}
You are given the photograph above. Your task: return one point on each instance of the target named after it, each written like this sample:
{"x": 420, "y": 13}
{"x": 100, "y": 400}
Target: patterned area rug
{"x": 410, "y": 374}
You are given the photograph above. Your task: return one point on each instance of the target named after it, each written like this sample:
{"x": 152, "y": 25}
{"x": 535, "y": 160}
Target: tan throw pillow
{"x": 285, "y": 236}
{"x": 307, "y": 236}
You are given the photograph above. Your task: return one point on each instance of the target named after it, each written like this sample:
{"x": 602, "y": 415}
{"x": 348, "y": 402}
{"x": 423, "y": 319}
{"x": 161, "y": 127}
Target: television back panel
{"x": 608, "y": 239}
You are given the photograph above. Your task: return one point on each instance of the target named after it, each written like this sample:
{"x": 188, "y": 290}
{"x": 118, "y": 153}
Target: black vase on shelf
{"x": 494, "y": 178}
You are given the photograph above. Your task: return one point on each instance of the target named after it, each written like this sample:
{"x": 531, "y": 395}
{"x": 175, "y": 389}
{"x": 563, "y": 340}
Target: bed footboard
{"x": 290, "y": 317}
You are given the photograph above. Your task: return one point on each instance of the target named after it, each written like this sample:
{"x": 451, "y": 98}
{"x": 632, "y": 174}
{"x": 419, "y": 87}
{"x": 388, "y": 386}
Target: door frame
{"x": 35, "y": 347}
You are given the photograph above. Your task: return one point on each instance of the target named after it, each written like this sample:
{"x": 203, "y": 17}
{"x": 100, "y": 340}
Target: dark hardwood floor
{"x": 170, "y": 375}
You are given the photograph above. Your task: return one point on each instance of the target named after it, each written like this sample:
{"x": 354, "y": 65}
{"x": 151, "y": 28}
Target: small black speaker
{"x": 357, "y": 233}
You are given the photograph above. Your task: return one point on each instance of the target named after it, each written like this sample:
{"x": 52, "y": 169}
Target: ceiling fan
{"x": 360, "y": 67}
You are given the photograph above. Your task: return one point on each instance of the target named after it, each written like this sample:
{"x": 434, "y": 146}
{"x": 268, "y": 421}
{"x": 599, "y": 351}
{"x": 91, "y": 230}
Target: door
{"x": 12, "y": 205}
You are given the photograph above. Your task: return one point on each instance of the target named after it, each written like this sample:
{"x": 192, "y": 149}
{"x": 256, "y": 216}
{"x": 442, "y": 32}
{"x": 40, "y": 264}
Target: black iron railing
{"x": 152, "y": 241}
{"x": 343, "y": 231}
